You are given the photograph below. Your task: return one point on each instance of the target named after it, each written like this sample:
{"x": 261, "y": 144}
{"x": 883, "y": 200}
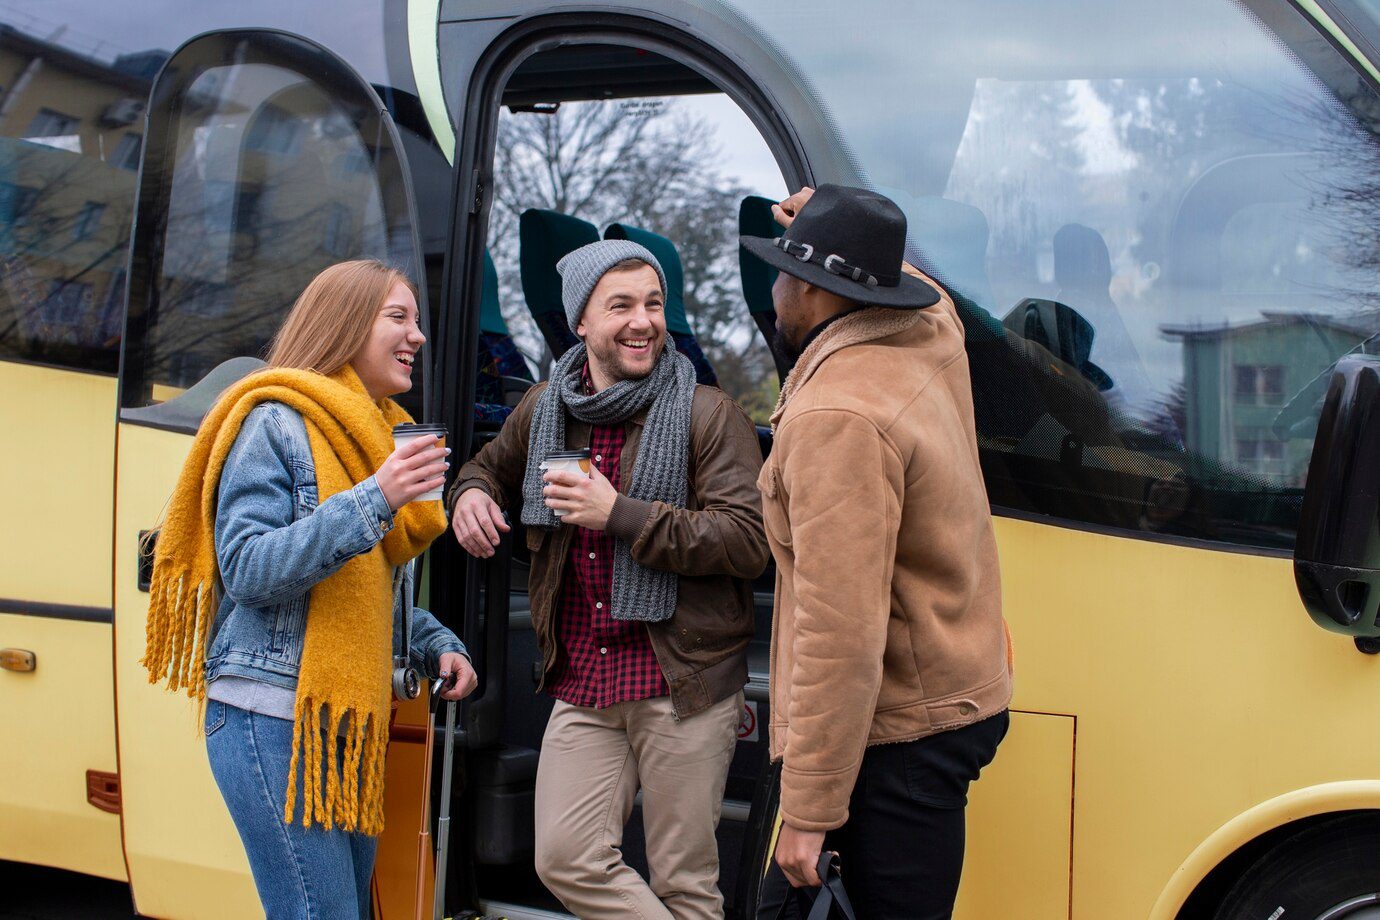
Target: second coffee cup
{"x": 571, "y": 461}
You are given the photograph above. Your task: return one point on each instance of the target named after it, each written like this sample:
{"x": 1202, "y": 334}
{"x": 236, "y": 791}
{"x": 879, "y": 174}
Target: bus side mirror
{"x": 1337, "y": 554}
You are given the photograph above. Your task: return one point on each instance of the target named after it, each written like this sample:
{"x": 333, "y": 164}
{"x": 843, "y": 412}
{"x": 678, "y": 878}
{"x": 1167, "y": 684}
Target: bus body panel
{"x": 58, "y": 723}
{"x": 1025, "y": 800}
{"x": 179, "y": 840}
{"x": 1251, "y": 702}
{"x": 58, "y": 720}
{"x": 60, "y": 428}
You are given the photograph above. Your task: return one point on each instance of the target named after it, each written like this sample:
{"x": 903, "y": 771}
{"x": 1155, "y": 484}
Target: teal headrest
{"x": 546, "y": 236}
{"x": 490, "y": 315}
{"x": 754, "y": 219}
{"x": 665, "y": 252}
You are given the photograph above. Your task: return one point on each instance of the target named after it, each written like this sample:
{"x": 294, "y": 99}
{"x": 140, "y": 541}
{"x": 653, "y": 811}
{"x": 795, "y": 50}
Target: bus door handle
{"x": 483, "y": 711}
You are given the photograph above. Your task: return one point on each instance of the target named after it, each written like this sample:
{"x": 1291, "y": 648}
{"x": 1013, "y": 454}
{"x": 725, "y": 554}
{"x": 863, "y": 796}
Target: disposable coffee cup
{"x": 571, "y": 461}
{"x": 402, "y": 434}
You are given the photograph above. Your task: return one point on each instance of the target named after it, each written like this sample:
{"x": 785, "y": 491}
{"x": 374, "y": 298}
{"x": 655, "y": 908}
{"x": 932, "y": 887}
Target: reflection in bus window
{"x": 1160, "y": 237}
{"x": 256, "y": 204}
{"x": 69, "y": 146}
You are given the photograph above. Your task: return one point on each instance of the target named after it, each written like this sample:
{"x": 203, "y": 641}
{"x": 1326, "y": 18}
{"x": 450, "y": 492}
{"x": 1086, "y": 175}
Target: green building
{"x": 1239, "y": 379}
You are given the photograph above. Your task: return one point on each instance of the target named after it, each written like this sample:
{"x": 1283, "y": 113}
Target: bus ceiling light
{"x": 1337, "y": 553}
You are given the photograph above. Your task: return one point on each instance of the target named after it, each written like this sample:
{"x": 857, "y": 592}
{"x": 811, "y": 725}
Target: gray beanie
{"x": 582, "y": 268}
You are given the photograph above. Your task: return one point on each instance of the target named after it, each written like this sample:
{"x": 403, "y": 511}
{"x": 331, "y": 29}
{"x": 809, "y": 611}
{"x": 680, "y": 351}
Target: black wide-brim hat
{"x": 850, "y": 242}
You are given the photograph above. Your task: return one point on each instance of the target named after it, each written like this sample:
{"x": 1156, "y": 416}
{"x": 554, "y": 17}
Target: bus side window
{"x": 69, "y": 154}
{"x": 1157, "y": 255}
{"x": 257, "y": 179}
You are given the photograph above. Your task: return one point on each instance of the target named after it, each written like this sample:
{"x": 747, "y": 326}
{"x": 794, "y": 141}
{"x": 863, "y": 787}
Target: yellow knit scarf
{"x": 343, "y": 681}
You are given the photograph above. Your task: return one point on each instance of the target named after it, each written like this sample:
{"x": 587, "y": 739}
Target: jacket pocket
{"x": 535, "y": 537}
{"x": 773, "y": 504}
{"x": 289, "y": 625}
{"x": 768, "y": 479}
{"x": 304, "y": 500}
{"x": 710, "y": 627}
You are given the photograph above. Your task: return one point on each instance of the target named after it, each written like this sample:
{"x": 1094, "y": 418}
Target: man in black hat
{"x": 890, "y": 661}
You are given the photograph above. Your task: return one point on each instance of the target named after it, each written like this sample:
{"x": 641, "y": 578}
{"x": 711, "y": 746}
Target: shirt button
{"x": 598, "y": 458}
{"x": 603, "y": 651}
{"x": 599, "y": 605}
{"x": 591, "y": 555}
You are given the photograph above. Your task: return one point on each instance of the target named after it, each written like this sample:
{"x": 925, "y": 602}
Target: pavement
{"x": 39, "y": 893}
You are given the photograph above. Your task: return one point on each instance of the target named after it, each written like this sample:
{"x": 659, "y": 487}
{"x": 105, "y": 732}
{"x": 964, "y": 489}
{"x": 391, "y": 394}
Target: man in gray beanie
{"x": 641, "y": 591}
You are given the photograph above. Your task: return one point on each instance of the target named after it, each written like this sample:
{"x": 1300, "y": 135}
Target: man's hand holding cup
{"x": 585, "y": 501}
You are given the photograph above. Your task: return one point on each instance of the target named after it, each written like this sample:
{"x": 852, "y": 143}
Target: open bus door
{"x": 569, "y": 61}
{"x": 267, "y": 159}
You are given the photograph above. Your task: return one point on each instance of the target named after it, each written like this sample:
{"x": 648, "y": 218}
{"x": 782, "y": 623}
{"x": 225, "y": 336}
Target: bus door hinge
{"x": 103, "y": 790}
{"x": 477, "y": 200}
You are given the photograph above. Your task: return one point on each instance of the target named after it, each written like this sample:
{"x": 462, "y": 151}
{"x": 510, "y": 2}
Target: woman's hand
{"x": 586, "y": 501}
{"x": 477, "y": 522}
{"x": 466, "y": 680}
{"x": 416, "y": 467}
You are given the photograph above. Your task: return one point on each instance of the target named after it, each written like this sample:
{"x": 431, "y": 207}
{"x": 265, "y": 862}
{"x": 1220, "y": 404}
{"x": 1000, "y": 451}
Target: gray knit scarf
{"x": 662, "y": 470}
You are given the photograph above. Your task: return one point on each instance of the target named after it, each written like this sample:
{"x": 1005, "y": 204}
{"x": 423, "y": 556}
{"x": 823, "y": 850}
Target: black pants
{"x": 901, "y": 852}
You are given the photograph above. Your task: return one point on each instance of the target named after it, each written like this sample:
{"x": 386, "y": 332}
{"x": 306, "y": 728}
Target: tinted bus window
{"x": 264, "y": 179}
{"x": 1157, "y": 220}
{"x": 70, "y": 131}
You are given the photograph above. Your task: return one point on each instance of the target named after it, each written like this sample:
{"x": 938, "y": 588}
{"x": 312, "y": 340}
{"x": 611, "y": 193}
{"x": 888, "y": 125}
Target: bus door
{"x": 648, "y": 144}
{"x": 267, "y": 159}
{"x": 628, "y": 113}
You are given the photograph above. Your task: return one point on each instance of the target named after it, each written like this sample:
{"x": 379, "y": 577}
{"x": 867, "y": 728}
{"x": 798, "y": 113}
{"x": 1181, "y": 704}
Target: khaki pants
{"x": 592, "y": 763}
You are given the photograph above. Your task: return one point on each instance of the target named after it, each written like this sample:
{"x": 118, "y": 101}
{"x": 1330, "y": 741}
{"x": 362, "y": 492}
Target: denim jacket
{"x": 274, "y": 542}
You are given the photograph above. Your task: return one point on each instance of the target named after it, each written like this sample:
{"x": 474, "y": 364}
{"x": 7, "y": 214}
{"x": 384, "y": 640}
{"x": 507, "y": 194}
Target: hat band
{"x": 832, "y": 263}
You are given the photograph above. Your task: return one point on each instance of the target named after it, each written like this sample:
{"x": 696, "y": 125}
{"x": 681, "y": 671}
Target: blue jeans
{"x": 301, "y": 874}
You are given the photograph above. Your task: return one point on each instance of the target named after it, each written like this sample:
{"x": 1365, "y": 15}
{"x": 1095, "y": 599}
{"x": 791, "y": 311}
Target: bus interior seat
{"x": 950, "y": 244}
{"x": 503, "y": 373}
{"x": 544, "y": 237}
{"x": 677, "y": 324}
{"x": 754, "y": 219}
{"x": 504, "y": 779}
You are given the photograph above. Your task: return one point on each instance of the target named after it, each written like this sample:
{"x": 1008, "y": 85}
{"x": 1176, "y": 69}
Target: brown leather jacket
{"x": 716, "y": 544}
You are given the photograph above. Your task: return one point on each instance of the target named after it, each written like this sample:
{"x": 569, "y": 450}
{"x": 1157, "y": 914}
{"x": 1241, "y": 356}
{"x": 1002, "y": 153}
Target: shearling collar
{"x": 852, "y": 329}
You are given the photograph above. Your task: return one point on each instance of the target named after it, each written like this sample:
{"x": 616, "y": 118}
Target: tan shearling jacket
{"x": 887, "y": 624}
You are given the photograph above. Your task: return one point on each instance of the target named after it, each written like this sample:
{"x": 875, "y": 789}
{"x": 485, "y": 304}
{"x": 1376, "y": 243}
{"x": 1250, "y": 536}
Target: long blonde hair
{"x": 332, "y": 318}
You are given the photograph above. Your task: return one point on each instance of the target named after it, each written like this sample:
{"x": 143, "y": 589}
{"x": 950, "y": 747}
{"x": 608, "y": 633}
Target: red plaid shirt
{"x": 600, "y": 661}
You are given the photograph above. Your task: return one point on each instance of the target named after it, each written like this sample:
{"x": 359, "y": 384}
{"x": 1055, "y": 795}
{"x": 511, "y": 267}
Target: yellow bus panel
{"x": 1023, "y": 803}
{"x": 1202, "y": 689}
{"x": 57, "y": 722}
{"x": 55, "y": 478}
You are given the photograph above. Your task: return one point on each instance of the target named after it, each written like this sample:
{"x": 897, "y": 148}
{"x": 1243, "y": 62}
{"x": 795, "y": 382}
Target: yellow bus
{"x": 1158, "y": 222}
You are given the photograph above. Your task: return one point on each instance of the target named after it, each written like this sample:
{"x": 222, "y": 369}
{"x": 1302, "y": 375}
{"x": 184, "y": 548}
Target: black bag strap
{"x": 831, "y": 893}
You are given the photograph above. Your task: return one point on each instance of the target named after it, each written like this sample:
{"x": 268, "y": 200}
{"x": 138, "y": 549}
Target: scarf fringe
{"x": 180, "y": 616}
{"x": 338, "y": 788}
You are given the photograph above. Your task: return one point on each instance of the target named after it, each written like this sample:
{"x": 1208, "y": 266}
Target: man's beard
{"x": 611, "y": 361}
{"x": 784, "y": 348}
